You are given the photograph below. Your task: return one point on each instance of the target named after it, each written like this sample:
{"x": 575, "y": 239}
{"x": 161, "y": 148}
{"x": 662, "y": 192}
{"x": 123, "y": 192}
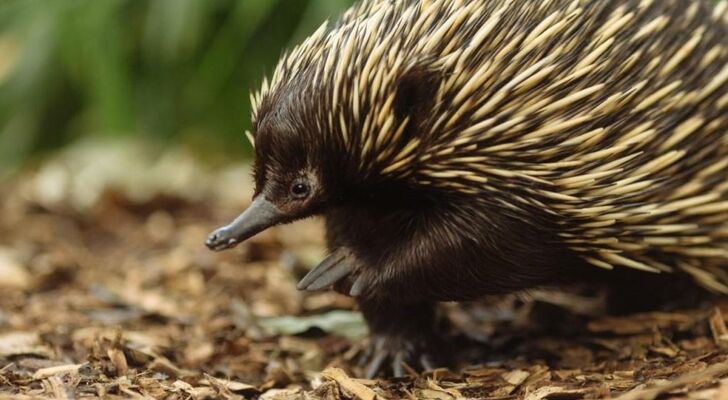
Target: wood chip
{"x": 117, "y": 357}
{"x": 516, "y": 377}
{"x": 44, "y": 373}
{"x": 718, "y": 328}
{"x": 554, "y": 392}
{"x": 124, "y": 300}
{"x": 350, "y": 385}
{"x": 651, "y": 393}
{"x": 639, "y": 323}
{"x": 13, "y": 274}
{"x": 232, "y": 386}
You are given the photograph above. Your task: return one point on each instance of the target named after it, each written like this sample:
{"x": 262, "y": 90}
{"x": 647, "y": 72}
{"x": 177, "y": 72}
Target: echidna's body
{"x": 465, "y": 148}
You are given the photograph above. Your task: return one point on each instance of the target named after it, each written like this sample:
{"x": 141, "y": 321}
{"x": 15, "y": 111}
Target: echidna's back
{"x": 611, "y": 115}
{"x": 608, "y": 116}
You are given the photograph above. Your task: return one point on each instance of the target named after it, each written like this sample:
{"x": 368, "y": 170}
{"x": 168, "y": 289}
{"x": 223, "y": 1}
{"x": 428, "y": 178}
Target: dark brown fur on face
{"x": 459, "y": 149}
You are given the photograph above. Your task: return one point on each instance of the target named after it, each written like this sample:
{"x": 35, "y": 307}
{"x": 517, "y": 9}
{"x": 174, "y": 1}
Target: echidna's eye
{"x": 299, "y": 190}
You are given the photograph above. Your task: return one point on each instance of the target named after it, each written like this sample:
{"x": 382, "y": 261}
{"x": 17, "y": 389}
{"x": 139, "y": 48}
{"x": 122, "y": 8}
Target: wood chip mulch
{"x": 122, "y": 300}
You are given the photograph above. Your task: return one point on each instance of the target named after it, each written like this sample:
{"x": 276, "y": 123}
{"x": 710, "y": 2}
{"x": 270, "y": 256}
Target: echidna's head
{"x": 340, "y": 118}
{"x": 296, "y": 170}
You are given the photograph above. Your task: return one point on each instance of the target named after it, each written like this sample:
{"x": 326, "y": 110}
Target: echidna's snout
{"x": 261, "y": 215}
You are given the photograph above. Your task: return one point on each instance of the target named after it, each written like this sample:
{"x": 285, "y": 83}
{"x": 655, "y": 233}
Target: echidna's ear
{"x": 416, "y": 93}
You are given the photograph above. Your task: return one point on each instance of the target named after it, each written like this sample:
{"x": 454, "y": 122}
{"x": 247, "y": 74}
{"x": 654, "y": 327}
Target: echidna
{"x": 464, "y": 148}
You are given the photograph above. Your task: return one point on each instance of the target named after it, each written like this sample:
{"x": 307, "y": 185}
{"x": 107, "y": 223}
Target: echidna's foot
{"x": 402, "y": 337}
{"x": 394, "y": 355}
{"x": 331, "y": 271}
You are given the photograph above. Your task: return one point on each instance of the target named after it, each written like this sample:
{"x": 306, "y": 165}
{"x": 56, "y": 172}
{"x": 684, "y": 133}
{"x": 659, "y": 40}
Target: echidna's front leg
{"x": 400, "y": 334}
{"x": 338, "y": 269}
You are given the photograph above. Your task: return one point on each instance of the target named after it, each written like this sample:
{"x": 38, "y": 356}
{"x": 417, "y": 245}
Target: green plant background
{"x": 175, "y": 71}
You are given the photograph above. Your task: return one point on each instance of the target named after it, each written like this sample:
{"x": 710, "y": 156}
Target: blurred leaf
{"x": 172, "y": 28}
{"x": 101, "y": 46}
{"x": 224, "y": 53}
{"x": 345, "y": 323}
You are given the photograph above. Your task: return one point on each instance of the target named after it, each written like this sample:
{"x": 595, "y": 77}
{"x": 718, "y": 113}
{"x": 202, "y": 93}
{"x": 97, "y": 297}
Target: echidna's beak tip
{"x": 261, "y": 215}
{"x": 220, "y": 240}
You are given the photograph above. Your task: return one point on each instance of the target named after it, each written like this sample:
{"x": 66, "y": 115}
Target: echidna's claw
{"x": 375, "y": 365}
{"x": 426, "y": 362}
{"x": 357, "y": 288}
{"x": 331, "y": 270}
{"x": 391, "y": 353}
{"x": 398, "y": 364}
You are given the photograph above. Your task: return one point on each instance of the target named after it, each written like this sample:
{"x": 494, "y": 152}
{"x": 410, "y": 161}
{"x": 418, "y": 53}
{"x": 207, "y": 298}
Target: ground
{"x": 106, "y": 290}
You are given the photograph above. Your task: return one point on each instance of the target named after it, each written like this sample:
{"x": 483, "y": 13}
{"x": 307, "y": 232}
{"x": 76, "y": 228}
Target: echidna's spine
{"x": 611, "y": 116}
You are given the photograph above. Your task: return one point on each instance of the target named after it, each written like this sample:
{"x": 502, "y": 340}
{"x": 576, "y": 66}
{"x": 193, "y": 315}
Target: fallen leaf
{"x": 345, "y": 323}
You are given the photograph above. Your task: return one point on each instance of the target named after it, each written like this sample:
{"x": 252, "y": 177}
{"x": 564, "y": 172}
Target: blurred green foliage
{"x": 170, "y": 69}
